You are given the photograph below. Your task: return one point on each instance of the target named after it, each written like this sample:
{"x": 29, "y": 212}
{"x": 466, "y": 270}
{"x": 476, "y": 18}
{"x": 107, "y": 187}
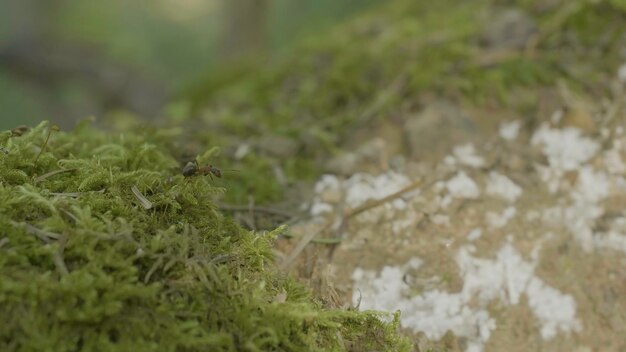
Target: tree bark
{"x": 243, "y": 31}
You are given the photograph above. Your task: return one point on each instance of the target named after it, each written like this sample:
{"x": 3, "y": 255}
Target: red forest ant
{"x": 192, "y": 169}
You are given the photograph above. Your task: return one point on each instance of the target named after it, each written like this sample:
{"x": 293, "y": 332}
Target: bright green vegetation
{"x": 392, "y": 61}
{"x": 86, "y": 264}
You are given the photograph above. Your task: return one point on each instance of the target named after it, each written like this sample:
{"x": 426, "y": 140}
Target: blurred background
{"x": 66, "y": 60}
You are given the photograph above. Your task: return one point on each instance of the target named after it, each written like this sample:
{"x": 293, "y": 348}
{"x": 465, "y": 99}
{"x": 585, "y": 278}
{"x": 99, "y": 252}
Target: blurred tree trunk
{"x": 243, "y": 30}
{"x": 31, "y": 55}
{"x": 27, "y": 19}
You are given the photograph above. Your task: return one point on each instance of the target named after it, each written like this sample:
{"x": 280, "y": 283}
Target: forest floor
{"x": 460, "y": 163}
{"x": 501, "y": 235}
{"x": 463, "y": 164}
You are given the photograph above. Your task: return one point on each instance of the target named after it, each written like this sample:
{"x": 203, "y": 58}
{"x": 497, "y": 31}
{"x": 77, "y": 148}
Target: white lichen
{"x": 501, "y": 186}
{"x": 465, "y": 155}
{"x": 496, "y": 220}
{"x": 510, "y": 130}
{"x": 566, "y": 149}
{"x": 434, "y": 312}
{"x": 462, "y": 186}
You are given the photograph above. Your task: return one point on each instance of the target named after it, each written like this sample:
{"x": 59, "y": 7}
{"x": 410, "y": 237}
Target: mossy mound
{"x": 393, "y": 61}
{"x": 382, "y": 62}
{"x": 105, "y": 246}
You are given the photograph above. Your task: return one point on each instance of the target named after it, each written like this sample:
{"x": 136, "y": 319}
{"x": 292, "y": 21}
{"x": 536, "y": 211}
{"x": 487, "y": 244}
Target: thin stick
{"x": 245, "y": 220}
{"x": 154, "y": 267}
{"x": 301, "y": 245}
{"x": 67, "y": 194}
{"x": 351, "y": 213}
{"x": 45, "y": 236}
{"x": 52, "y": 173}
{"x": 329, "y": 240}
{"x": 57, "y": 258}
{"x": 45, "y": 144}
{"x": 73, "y": 194}
{"x": 243, "y": 208}
{"x": 141, "y": 198}
{"x": 251, "y": 212}
{"x": 378, "y": 202}
{"x": 41, "y": 234}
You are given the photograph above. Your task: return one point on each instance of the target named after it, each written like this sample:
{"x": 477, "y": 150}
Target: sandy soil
{"x": 514, "y": 241}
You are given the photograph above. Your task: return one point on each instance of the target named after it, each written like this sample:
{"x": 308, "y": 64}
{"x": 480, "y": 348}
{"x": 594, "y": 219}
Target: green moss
{"x": 84, "y": 266}
{"x": 384, "y": 62}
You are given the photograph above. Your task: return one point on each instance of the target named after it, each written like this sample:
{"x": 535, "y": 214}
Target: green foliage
{"x": 85, "y": 267}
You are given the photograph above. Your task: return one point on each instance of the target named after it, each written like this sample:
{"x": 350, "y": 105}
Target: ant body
{"x": 19, "y": 130}
{"x": 192, "y": 169}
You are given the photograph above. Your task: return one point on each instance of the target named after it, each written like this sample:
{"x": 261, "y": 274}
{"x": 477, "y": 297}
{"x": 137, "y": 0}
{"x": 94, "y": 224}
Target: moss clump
{"x": 86, "y": 266}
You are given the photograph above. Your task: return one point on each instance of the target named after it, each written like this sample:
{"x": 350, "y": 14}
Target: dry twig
{"x": 341, "y": 225}
{"x": 52, "y": 173}
{"x": 73, "y": 194}
{"x": 141, "y": 198}
{"x": 246, "y": 208}
{"x": 53, "y": 128}
{"x": 45, "y": 236}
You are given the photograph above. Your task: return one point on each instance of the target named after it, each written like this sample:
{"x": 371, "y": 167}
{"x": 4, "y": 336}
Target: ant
{"x": 19, "y": 130}
{"x": 192, "y": 169}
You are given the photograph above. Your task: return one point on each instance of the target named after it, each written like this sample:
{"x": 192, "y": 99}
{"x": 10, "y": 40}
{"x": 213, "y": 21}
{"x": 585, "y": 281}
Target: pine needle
{"x": 141, "y": 198}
